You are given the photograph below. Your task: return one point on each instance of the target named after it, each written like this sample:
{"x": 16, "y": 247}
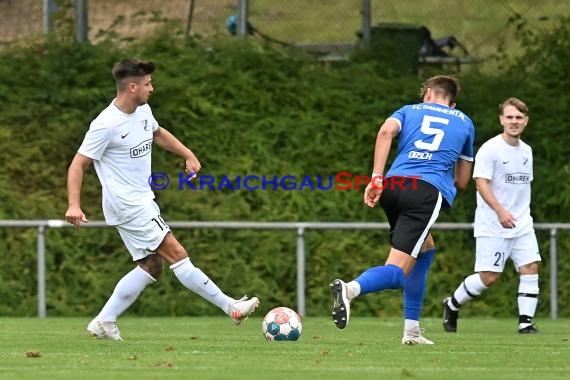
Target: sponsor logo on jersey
{"x": 517, "y": 178}
{"x": 420, "y": 155}
{"x": 142, "y": 149}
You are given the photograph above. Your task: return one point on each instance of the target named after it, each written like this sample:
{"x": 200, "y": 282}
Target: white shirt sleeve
{"x": 152, "y": 120}
{"x": 95, "y": 141}
{"x": 484, "y": 162}
{"x": 531, "y": 164}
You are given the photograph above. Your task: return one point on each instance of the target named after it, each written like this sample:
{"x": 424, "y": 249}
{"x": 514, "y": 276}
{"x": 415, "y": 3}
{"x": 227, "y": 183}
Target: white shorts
{"x": 493, "y": 252}
{"x": 144, "y": 233}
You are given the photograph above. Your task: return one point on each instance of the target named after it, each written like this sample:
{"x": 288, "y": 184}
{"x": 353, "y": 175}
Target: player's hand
{"x": 372, "y": 194}
{"x": 75, "y": 216}
{"x": 506, "y": 219}
{"x": 192, "y": 166}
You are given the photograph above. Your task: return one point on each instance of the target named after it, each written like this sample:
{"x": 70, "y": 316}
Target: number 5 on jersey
{"x": 427, "y": 129}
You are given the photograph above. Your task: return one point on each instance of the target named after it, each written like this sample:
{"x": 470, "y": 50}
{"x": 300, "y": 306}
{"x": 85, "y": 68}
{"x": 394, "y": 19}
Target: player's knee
{"x": 490, "y": 278}
{"x": 153, "y": 265}
{"x": 531, "y": 268}
{"x": 179, "y": 252}
{"x": 171, "y": 250}
{"x": 157, "y": 268}
{"x": 428, "y": 244}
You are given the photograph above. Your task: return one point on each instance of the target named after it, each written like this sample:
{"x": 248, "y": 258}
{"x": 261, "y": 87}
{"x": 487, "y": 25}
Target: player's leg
{"x": 411, "y": 211}
{"x": 124, "y": 295}
{"x": 389, "y": 276}
{"x": 414, "y": 291}
{"x": 191, "y": 277}
{"x": 126, "y": 292}
{"x": 197, "y": 281}
{"x": 138, "y": 235}
{"x": 131, "y": 286}
{"x": 490, "y": 256}
{"x": 343, "y": 292}
{"x": 525, "y": 256}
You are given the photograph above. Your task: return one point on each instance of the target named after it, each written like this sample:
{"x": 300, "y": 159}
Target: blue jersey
{"x": 432, "y": 138}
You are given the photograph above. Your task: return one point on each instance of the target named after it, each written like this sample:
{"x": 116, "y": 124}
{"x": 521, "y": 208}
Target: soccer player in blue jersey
{"x": 434, "y": 159}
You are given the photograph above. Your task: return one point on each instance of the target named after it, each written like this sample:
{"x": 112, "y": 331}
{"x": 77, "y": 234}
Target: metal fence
{"x": 301, "y": 254}
{"x": 480, "y": 25}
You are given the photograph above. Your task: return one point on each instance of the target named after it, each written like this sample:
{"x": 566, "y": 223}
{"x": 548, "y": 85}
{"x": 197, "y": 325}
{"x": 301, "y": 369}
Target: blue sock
{"x": 380, "y": 278}
{"x": 415, "y": 285}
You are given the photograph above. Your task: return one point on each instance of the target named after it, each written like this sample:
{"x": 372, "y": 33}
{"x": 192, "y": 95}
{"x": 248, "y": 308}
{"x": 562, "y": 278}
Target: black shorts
{"x": 412, "y": 207}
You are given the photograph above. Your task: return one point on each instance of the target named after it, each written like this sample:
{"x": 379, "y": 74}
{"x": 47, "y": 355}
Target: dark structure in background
{"x": 399, "y": 46}
{"x": 411, "y": 46}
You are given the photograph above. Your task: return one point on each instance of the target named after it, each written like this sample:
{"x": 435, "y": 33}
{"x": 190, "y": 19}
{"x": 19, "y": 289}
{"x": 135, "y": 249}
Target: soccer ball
{"x": 280, "y": 324}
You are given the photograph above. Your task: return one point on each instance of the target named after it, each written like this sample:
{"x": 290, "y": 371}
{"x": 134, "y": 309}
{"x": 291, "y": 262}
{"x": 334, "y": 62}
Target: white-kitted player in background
{"x": 503, "y": 225}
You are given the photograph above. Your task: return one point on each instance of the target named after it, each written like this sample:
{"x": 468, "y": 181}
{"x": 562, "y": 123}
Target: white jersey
{"x": 120, "y": 145}
{"x": 510, "y": 170}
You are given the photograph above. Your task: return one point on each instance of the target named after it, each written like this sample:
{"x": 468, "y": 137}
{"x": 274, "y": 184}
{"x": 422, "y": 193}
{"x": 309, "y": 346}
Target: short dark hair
{"x": 131, "y": 68}
{"x": 517, "y": 103}
{"x": 444, "y": 85}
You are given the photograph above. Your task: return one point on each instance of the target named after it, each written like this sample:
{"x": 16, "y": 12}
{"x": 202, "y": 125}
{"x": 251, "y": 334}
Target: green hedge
{"x": 246, "y": 108}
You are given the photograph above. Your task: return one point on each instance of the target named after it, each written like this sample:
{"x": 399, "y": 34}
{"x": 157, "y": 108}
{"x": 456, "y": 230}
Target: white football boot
{"x": 415, "y": 336}
{"x": 104, "y": 330}
{"x": 242, "y": 308}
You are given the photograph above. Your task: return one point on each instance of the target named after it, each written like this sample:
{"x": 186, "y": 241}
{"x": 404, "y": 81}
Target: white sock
{"x": 195, "y": 280}
{"x": 527, "y": 296}
{"x": 470, "y": 288}
{"x": 126, "y": 292}
{"x": 352, "y": 290}
{"x": 410, "y": 324}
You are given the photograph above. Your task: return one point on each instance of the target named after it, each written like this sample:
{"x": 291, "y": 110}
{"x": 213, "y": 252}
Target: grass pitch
{"x": 213, "y": 348}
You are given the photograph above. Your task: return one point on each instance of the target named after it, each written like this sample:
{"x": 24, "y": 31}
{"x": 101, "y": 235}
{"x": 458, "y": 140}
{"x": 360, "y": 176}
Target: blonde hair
{"x": 517, "y": 103}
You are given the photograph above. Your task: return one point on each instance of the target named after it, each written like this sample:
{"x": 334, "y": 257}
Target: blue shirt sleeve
{"x": 467, "y": 152}
{"x": 399, "y": 115}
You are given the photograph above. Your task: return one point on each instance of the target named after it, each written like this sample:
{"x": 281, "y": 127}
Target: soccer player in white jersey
{"x": 119, "y": 144}
{"x": 434, "y": 159}
{"x": 503, "y": 225}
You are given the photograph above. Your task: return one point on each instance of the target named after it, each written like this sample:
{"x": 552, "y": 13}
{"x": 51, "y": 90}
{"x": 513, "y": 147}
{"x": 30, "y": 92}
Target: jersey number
{"x": 159, "y": 222}
{"x": 431, "y": 131}
{"x": 500, "y": 261}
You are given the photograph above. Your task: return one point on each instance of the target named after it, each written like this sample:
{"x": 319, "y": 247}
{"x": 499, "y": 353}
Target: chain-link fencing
{"x": 125, "y": 18}
{"x": 479, "y": 25}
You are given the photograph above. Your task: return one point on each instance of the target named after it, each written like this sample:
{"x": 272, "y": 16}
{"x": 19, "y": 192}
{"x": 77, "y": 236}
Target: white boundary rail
{"x": 299, "y": 227}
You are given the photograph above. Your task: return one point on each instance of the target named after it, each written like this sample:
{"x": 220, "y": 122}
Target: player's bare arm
{"x": 463, "y": 169}
{"x": 168, "y": 141}
{"x": 74, "y": 214}
{"x": 389, "y": 130}
{"x": 506, "y": 219}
